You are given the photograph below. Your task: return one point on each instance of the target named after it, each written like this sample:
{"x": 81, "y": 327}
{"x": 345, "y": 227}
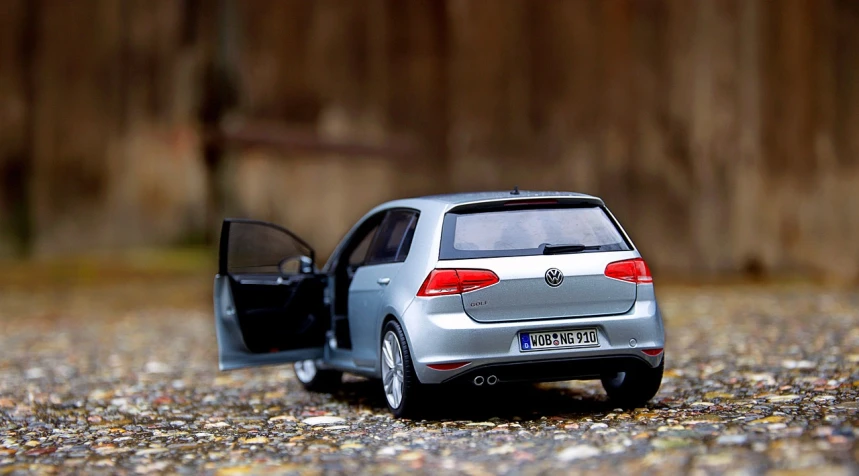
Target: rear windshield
{"x": 489, "y": 234}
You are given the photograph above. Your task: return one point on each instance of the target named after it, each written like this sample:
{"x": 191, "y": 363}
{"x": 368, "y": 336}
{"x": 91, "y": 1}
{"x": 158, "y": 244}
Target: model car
{"x": 478, "y": 289}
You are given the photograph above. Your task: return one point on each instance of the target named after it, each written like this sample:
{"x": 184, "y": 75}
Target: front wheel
{"x": 635, "y": 387}
{"x": 403, "y": 391}
{"x": 315, "y": 379}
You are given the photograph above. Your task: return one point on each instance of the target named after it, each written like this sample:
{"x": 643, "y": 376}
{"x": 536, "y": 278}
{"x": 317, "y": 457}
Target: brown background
{"x": 723, "y": 133}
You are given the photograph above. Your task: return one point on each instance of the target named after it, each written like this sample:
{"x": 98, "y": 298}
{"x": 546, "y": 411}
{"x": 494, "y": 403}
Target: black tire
{"x": 635, "y": 387}
{"x": 319, "y": 380}
{"x": 412, "y": 403}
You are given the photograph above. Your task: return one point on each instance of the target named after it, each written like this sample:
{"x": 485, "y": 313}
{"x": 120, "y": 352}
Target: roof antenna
{"x": 515, "y": 190}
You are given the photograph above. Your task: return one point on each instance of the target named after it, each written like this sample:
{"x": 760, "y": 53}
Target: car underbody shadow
{"x": 502, "y": 401}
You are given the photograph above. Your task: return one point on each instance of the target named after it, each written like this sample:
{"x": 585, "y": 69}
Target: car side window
{"x": 406, "y": 245}
{"x": 359, "y": 254}
{"x": 393, "y": 238}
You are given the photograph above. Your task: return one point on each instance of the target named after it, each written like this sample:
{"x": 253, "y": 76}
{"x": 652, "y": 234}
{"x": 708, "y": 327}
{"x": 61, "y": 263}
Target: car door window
{"x": 258, "y": 248}
{"x": 359, "y": 254}
{"x": 388, "y": 244}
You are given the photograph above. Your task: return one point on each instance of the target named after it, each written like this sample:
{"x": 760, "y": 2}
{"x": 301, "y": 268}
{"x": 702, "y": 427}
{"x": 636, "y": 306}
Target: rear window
{"x": 489, "y": 234}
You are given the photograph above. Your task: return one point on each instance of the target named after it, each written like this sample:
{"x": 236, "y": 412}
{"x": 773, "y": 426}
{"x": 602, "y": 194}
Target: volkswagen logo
{"x": 554, "y": 277}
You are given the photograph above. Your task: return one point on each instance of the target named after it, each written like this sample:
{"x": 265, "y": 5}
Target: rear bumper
{"x": 439, "y": 331}
{"x": 550, "y": 370}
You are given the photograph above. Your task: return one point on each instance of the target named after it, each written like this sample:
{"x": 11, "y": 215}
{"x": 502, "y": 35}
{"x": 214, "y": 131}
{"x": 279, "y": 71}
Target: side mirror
{"x": 295, "y": 265}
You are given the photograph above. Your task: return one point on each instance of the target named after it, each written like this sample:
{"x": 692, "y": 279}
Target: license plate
{"x": 561, "y": 339}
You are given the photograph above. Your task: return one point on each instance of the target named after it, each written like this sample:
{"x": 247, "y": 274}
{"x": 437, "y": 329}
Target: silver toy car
{"x": 477, "y": 289}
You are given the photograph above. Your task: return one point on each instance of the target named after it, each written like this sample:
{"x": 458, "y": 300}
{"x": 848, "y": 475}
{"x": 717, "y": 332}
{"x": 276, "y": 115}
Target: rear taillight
{"x": 441, "y": 282}
{"x": 632, "y": 270}
{"x": 471, "y": 279}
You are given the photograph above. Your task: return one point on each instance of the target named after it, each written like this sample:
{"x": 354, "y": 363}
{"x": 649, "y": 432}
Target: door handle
{"x": 383, "y": 281}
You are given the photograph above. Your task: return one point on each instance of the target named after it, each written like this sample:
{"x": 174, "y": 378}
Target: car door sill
{"x": 341, "y": 359}
{"x": 232, "y": 361}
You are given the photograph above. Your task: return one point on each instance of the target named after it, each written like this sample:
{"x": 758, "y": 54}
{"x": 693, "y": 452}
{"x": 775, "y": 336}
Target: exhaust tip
{"x": 478, "y": 380}
{"x": 492, "y": 380}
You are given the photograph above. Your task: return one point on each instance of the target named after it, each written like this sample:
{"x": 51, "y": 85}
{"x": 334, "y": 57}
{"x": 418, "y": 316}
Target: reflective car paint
{"x": 450, "y": 329}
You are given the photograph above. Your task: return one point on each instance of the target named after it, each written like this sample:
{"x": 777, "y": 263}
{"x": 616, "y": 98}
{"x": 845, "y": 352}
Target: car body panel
{"x": 522, "y": 293}
{"x": 366, "y": 294}
{"x": 448, "y": 334}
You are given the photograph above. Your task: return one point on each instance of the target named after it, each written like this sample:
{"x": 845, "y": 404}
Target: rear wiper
{"x": 561, "y": 249}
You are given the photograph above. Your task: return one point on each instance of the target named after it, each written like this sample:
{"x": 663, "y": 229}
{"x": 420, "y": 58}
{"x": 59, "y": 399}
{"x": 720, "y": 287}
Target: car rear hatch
{"x": 550, "y": 260}
{"x": 523, "y": 291}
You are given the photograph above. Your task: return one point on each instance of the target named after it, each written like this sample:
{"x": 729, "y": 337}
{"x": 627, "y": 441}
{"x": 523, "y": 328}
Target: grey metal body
{"x": 451, "y": 328}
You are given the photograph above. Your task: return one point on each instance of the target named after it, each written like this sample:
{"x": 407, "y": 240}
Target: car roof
{"x": 437, "y": 205}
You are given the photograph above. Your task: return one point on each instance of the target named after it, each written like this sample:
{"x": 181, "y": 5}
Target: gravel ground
{"x": 124, "y": 379}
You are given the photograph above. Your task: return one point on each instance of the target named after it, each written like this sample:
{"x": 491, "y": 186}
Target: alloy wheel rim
{"x": 305, "y": 370}
{"x": 392, "y": 369}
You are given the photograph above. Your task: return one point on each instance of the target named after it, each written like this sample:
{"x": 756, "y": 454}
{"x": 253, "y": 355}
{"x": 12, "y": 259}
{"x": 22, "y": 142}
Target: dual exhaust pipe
{"x": 480, "y": 380}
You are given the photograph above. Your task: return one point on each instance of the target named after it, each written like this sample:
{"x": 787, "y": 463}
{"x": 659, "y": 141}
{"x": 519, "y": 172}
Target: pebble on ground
{"x": 123, "y": 378}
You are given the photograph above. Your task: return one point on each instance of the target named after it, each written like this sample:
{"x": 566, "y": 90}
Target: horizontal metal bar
{"x": 290, "y": 138}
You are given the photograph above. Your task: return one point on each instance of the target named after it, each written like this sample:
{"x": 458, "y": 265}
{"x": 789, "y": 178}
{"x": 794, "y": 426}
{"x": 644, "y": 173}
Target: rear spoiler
{"x": 528, "y": 203}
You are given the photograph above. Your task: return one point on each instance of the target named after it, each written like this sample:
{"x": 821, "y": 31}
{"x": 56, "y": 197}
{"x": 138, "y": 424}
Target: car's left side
{"x": 274, "y": 305}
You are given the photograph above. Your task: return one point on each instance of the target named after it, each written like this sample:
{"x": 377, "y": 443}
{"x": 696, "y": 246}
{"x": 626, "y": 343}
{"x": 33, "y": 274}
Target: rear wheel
{"x": 403, "y": 391}
{"x": 315, "y": 379}
{"x": 635, "y": 387}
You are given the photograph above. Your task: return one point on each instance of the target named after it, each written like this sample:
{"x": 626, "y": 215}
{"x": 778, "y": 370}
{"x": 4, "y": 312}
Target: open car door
{"x": 268, "y": 297}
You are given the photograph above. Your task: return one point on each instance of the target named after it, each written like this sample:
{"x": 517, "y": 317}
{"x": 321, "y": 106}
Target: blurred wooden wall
{"x": 723, "y": 133}
{"x": 98, "y": 142}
